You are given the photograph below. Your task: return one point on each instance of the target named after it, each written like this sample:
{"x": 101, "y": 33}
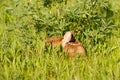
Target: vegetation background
{"x": 25, "y": 24}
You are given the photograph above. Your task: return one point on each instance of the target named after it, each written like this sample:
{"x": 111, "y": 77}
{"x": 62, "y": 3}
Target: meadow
{"x": 26, "y": 24}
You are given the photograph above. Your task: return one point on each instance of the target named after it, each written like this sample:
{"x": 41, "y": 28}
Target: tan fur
{"x": 54, "y": 41}
{"x": 73, "y": 48}
{"x": 69, "y": 44}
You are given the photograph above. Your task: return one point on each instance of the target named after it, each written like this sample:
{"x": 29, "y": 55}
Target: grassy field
{"x": 25, "y": 24}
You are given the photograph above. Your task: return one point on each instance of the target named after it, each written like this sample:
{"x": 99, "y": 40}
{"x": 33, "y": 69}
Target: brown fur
{"x": 69, "y": 44}
{"x": 54, "y": 41}
{"x": 73, "y": 48}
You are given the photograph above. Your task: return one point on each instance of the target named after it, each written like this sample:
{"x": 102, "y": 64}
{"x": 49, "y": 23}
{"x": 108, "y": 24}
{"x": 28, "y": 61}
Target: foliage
{"x": 24, "y": 26}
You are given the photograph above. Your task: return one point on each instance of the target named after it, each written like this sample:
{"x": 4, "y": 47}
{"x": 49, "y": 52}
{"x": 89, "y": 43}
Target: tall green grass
{"x": 24, "y": 26}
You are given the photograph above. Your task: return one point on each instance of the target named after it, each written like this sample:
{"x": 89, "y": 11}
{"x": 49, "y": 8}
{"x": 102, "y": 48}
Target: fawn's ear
{"x": 67, "y": 37}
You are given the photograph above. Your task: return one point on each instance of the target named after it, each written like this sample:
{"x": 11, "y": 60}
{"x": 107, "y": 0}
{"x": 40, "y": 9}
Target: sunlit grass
{"x": 24, "y": 26}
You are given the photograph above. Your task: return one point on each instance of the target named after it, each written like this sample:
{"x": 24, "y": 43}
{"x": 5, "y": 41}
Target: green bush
{"x": 24, "y": 26}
